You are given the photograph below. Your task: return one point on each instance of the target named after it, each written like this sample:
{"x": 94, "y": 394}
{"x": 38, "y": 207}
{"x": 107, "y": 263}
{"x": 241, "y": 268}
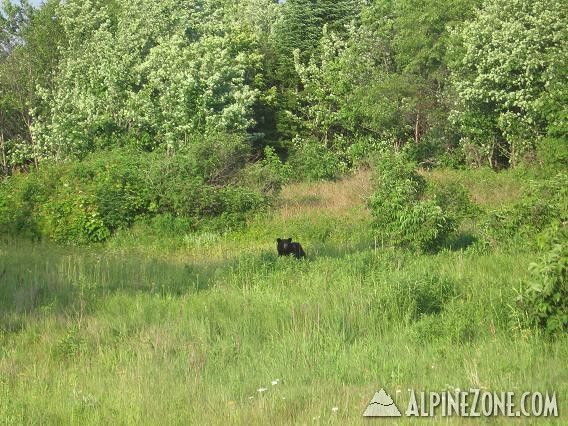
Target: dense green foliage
{"x": 162, "y": 80}
{"x": 509, "y": 82}
{"x": 402, "y": 216}
{"x": 543, "y": 205}
{"x": 544, "y": 298}
{"x": 89, "y": 200}
{"x": 466, "y": 81}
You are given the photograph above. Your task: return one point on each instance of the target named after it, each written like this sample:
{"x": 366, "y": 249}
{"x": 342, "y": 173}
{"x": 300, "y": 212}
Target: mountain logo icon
{"x": 381, "y": 405}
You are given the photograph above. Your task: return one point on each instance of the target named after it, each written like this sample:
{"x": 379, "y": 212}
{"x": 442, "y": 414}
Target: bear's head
{"x": 284, "y": 244}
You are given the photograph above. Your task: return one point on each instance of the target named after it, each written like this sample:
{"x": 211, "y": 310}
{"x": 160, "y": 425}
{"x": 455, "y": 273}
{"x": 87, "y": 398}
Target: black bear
{"x": 286, "y": 247}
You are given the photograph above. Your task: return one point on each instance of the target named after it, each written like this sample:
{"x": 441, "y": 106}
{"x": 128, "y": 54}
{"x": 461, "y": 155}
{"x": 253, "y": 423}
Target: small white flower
{"x": 251, "y": 397}
{"x": 398, "y": 391}
{"x": 262, "y": 389}
{"x": 335, "y": 409}
{"x": 275, "y": 382}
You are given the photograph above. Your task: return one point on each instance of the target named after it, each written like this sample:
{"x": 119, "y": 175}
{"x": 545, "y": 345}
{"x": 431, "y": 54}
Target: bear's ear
{"x": 278, "y": 240}
{"x": 290, "y": 239}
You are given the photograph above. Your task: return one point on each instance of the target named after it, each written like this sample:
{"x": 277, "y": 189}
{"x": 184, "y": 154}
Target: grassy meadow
{"x": 173, "y": 328}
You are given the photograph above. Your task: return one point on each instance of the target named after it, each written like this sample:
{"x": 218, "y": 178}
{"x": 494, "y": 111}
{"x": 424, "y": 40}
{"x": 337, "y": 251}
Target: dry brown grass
{"x": 336, "y": 197}
{"x": 485, "y": 187}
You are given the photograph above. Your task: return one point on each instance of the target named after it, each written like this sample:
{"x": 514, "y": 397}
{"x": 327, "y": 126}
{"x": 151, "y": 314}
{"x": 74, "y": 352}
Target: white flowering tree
{"x": 29, "y": 40}
{"x": 506, "y": 64}
{"x": 153, "y": 71}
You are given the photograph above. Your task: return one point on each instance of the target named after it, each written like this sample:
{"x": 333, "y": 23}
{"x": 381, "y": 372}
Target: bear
{"x": 286, "y": 247}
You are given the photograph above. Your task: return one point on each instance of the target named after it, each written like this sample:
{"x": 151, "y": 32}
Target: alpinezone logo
{"x": 472, "y": 403}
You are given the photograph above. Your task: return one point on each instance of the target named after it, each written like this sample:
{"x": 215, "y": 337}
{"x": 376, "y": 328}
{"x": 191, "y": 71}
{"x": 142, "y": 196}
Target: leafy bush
{"x": 361, "y": 151}
{"x": 425, "y": 153}
{"x": 267, "y": 175}
{"x": 543, "y": 204}
{"x": 237, "y": 203}
{"x": 87, "y": 201}
{"x": 72, "y": 217}
{"x": 313, "y": 160}
{"x": 544, "y": 298}
{"x": 401, "y": 216}
{"x": 424, "y": 226}
{"x": 216, "y": 157}
{"x": 553, "y": 153}
{"x": 435, "y": 149}
{"x": 454, "y": 199}
{"x": 20, "y": 197}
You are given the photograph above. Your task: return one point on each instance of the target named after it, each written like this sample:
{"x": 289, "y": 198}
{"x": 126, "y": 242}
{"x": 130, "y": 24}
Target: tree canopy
{"x": 463, "y": 81}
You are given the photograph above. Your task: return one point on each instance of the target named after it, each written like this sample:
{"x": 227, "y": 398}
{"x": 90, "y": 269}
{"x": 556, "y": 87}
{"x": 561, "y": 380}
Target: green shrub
{"x": 73, "y": 217}
{"x": 424, "y": 226}
{"x": 544, "y": 298}
{"x": 313, "y": 160}
{"x": 543, "y": 204}
{"x": 362, "y": 149}
{"x": 215, "y": 157}
{"x": 236, "y": 206}
{"x": 425, "y": 153}
{"x": 454, "y": 199}
{"x": 553, "y": 153}
{"x": 95, "y": 197}
{"x": 267, "y": 175}
{"x": 21, "y": 196}
{"x": 401, "y": 216}
{"x": 87, "y": 201}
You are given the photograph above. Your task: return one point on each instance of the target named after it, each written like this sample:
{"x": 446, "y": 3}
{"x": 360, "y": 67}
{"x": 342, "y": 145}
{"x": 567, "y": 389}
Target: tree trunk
{"x": 417, "y": 127}
{"x": 4, "y": 161}
{"x": 28, "y": 121}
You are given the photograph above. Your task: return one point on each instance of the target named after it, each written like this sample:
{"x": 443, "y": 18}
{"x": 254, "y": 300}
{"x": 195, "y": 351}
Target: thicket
{"x": 87, "y": 201}
{"x": 543, "y": 300}
{"x": 542, "y": 206}
{"x": 403, "y": 216}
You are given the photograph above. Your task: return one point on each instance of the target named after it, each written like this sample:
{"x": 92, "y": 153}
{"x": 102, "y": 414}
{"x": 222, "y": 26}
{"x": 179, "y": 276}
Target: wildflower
{"x": 275, "y": 382}
{"x": 335, "y": 409}
{"x": 262, "y": 389}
